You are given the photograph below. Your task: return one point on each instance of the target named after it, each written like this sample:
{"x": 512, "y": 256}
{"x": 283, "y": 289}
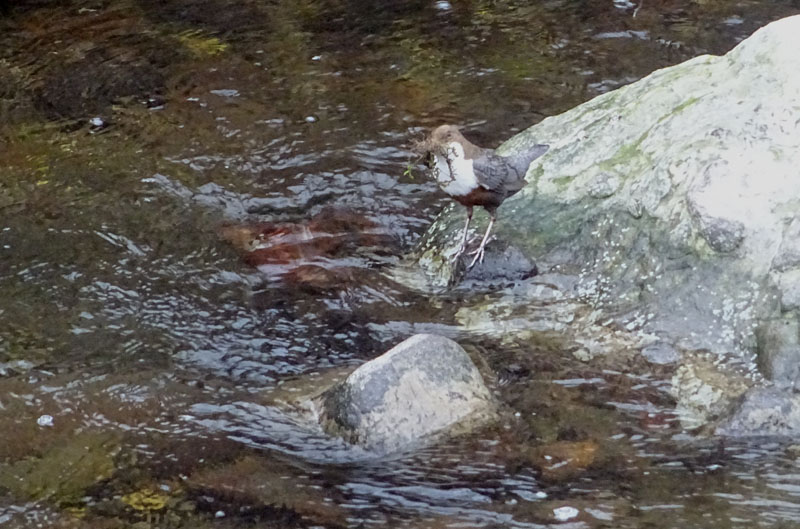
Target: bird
{"x": 475, "y": 176}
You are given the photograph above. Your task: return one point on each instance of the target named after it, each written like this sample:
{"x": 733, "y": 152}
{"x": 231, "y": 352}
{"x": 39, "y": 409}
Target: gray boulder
{"x": 764, "y": 411}
{"x": 423, "y": 386}
{"x": 674, "y": 203}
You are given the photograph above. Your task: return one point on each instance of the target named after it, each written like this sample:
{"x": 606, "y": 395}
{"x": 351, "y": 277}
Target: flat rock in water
{"x": 423, "y": 386}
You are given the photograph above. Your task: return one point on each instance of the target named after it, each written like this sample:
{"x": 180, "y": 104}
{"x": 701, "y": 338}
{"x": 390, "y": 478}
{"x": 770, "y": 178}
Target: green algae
{"x": 684, "y": 105}
{"x": 200, "y": 44}
{"x": 64, "y": 472}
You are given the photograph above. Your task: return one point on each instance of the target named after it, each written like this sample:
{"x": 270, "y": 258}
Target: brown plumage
{"x": 475, "y": 176}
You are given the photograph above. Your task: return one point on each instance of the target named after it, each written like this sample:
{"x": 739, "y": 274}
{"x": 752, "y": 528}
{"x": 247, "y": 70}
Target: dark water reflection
{"x": 132, "y": 130}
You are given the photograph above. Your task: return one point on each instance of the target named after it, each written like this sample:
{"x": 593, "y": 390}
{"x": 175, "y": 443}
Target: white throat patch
{"x": 454, "y": 174}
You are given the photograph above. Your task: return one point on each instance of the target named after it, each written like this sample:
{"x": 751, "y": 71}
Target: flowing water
{"x": 141, "y": 356}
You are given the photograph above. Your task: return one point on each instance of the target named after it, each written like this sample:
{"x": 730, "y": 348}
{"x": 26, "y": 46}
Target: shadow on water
{"x": 152, "y": 330}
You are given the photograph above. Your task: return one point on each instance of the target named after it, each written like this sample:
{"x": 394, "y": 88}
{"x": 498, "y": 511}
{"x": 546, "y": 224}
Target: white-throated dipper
{"x": 475, "y": 176}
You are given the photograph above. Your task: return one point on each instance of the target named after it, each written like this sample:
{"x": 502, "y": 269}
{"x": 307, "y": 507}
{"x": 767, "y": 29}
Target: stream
{"x": 143, "y": 347}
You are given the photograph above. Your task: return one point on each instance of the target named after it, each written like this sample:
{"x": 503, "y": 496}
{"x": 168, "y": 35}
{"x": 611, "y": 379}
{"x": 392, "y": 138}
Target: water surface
{"x": 133, "y": 132}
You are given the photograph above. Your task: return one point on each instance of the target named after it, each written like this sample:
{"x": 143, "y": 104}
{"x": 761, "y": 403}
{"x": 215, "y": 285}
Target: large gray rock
{"x": 673, "y": 202}
{"x": 425, "y": 385}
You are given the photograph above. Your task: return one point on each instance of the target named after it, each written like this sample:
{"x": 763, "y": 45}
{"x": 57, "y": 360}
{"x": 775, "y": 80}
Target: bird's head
{"x": 445, "y": 141}
{"x": 445, "y": 134}
{"x": 448, "y": 141}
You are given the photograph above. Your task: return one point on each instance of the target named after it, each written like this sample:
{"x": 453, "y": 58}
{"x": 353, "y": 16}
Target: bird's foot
{"x": 478, "y": 257}
{"x": 461, "y": 249}
{"x": 479, "y": 253}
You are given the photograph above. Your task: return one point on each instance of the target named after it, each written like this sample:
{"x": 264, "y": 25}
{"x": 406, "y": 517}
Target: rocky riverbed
{"x": 205, "y": 211}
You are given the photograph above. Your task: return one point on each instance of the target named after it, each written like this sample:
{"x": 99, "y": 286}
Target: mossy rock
{"x": 65, "y": 472}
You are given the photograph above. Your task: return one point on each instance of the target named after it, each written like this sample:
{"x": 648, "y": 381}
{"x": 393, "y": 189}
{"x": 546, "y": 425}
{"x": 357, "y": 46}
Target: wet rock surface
{"x": 425, "y": 385}
{"x": 675, "y": 216}
{"x": 779, "y": 350}
{"x": 764, "y": 411}
{"x": 707, "y": 387}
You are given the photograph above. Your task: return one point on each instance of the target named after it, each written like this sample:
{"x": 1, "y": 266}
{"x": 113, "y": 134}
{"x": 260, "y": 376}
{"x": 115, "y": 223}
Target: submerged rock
{"x": 64, "y": 473}
{"x": 301, "y": 253}
{"x": 425, "y": 385}
{"x": 764, "y": 411}
{"x": 672, "y": 201}
{"x": 563, "y": 460}
{"x": 253, "y": 483}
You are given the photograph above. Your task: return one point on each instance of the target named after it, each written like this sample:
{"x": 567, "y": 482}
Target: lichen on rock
{"x": 672, "y": 201}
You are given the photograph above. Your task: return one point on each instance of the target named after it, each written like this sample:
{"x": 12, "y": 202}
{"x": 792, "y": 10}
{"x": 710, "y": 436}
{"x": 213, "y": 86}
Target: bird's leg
{"x": 479, "y": 252}
{"x": 464, "y": 235}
